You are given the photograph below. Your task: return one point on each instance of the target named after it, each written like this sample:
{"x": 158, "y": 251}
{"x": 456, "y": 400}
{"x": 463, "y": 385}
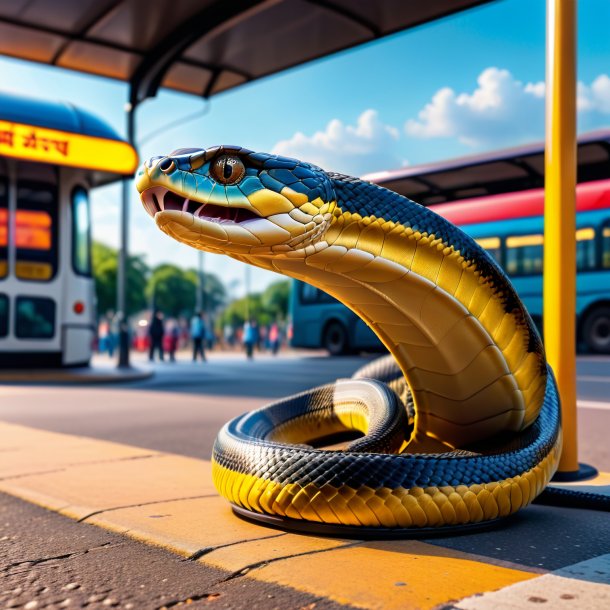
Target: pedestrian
{"x": 112, "y": 340}
{"x": 102, "y": 335}
{"x": 250, "y": 337}
{"x": 274, "y": 338}
{"x": 198, "y": 336}
{"x": 172, "y": 340}
{"x": 156, "y": 331}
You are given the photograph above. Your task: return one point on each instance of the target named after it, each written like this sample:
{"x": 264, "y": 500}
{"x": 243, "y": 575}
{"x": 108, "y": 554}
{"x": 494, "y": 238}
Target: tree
{"x": 235, "y": 313}
{"x": 271, "y": 305}
{"x": 172, "y": 290}
{"x": 275, "y": 299}
{"x": 105, "y": 264}
{"x": 214, "y": 294}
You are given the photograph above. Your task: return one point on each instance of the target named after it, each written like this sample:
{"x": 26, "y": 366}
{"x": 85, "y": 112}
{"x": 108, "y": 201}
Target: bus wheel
{"x": 596, "y": 330}
{"x": 335, "y": 339}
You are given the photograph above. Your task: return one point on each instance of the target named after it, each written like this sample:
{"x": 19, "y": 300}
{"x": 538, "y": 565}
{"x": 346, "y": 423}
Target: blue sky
{"x": 471, "y": 82}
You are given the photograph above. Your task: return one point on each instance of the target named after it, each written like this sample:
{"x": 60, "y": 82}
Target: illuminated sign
{"x": 3, "y": 229}
{"x": 32, "y": 230}
{"x": 64, "y": 148}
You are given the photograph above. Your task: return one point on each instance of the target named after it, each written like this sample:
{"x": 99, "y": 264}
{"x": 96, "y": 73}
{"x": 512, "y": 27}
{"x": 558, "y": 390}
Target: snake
{"x": 459, "y": 425}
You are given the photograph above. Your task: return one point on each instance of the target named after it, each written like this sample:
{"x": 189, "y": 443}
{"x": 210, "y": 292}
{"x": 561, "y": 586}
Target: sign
{"x": 44, "y": 145}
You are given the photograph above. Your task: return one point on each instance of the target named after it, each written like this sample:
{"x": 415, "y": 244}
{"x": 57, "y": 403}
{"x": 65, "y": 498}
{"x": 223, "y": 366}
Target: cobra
{"x": 460, "y": 425}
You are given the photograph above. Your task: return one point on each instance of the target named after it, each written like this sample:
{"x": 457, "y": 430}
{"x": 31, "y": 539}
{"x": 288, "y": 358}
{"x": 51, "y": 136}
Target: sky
{"x": 468, "y": 83}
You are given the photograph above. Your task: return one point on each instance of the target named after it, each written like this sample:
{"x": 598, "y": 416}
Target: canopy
{"x": 61, "y": 134}
{"x": 201, "y": 47}
{"x": 500, "y": 171}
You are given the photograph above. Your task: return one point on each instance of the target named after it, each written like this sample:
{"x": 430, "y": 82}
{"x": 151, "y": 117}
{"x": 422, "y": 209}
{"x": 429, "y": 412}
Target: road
{"x": 181, "y": 408}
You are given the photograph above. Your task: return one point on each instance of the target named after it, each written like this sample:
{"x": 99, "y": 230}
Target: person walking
{"x": 274, "y": 338}
{"x": 198, "y": 336}
{"x": 172, "y": 340}
{"x": 250, "y": 337}
{"x": 156, "y": 331}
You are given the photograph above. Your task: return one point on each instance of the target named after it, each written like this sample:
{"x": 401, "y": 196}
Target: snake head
{"x": 231, "y": 200}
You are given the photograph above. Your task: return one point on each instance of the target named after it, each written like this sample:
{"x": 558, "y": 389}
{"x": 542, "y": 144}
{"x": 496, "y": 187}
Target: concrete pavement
{"x": 167, "y": 500}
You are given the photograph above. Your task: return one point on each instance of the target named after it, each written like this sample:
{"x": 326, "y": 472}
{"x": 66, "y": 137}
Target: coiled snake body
{"x": 460, "y": 425}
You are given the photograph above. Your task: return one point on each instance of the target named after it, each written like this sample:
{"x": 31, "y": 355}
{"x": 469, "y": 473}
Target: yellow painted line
{"x": 168, "y": 500}
{"x": 184, "y": 526}
{"x": 392, "y": 575}
{"x": 27, "y": 451}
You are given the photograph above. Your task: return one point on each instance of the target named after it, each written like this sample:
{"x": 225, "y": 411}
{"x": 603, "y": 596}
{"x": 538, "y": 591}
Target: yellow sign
{"x": 64, "y": 148}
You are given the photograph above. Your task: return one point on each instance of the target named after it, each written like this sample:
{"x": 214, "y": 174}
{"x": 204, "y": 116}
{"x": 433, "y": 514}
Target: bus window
{"x": 3, "y": 220}
{"x": 492, "y": 245}
{"x": 35, "y": 318}
{"x": 3, "y": 315}
{"x": 310, "y": 295}
{"x": 585, "y": 249}
{"x": 606, "y": 245}
{"x": 36, "y": 222}
{"x": 81, "y": 232}
{"x": 524, "y": 254}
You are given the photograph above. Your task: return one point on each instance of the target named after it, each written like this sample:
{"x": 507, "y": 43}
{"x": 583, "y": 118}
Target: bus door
{"x": 29, "y": 242}
{"x": 78, "y": 315}
{"x": 4, "y": 300}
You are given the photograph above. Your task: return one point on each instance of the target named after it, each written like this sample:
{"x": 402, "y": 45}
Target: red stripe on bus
{"x": 522, "y": 204}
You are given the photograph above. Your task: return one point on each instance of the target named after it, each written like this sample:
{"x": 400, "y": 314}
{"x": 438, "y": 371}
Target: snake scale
{"x": 460, "y": 425}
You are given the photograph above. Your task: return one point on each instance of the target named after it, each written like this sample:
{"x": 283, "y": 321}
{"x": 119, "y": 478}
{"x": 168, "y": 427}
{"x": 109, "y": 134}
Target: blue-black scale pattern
{"x": 367, "y": 199}
{"x": 239, "y": 448}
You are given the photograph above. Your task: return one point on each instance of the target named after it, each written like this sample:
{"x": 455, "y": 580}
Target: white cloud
{"x": 595, "y": 97}
{"x": 500, "y": 110}
{"x": 369, "y": 145}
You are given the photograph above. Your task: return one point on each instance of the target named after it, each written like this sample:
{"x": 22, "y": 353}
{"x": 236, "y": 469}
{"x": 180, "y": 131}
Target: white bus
{"x": 51, "y": 154}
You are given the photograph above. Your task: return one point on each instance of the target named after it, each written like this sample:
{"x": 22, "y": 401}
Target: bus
{"x": 498, "y": 199}
{"x": 51, "y": 154}
{"x": 318, "y": 320}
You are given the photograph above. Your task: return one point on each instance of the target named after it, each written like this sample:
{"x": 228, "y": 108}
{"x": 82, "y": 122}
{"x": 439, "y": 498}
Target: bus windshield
{"x": 35, "y": 222}
{"x": 3, "y": 220}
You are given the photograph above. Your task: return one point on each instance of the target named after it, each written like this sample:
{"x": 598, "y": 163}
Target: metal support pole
{"x": 124, "y": 252}
{"x": 247, "y": 272}
{"x": 199, "y": 300}
{"x": 560, "y": 217}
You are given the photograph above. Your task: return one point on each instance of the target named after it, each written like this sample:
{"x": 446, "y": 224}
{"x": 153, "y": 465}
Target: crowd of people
{"x": 163, "y": 338}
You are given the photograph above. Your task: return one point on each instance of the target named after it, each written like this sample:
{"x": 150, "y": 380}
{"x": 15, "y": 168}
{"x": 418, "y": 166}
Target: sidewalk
{"x": 543, "y": 555}
{"x": 102, "y": 370}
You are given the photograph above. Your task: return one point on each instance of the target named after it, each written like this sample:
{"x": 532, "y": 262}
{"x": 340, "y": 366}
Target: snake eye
{"x": 228, "y": 169}
{"x": 167, "y": 165}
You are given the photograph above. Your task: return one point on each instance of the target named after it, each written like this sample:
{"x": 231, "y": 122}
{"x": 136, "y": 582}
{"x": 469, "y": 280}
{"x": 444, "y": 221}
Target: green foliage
{"x": 275, "y": 299}
{"x": 214, "y": 294}
{"x": 105, "y": 263}
{"x": 174, "y": 290}
{"x": 265, "y": 307}
{"x": 171, "y": 290}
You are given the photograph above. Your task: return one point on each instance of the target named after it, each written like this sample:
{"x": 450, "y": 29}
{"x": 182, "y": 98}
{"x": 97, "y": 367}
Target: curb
{"x": 81, "y": 375}
{"x": 168, "y": 500}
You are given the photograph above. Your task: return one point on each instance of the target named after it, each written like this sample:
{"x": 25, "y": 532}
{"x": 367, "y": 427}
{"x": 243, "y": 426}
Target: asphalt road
{"x": 181, "y": 408}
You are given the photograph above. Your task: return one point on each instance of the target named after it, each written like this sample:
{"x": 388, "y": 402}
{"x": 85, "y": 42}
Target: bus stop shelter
{"x": 206, "y": 47}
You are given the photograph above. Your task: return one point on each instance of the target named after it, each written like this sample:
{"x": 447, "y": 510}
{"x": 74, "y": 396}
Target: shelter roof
{"x": 501, "y": 171}
{"x": 202, "y": 47}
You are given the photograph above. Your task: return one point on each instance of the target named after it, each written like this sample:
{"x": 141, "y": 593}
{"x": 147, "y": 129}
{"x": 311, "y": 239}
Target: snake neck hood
{"x": 447, "y": 313}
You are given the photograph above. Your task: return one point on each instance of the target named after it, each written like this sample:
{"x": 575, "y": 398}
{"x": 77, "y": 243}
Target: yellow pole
{"x": 560, "y": 216}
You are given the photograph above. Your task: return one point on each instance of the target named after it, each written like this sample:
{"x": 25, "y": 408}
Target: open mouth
{"x": 160, "y": 200}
